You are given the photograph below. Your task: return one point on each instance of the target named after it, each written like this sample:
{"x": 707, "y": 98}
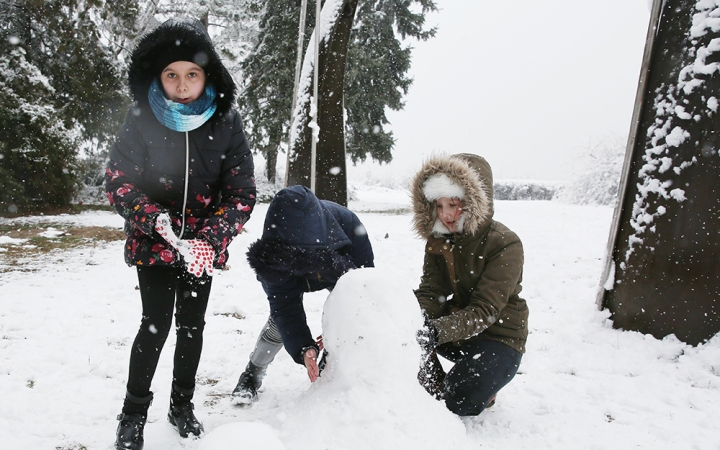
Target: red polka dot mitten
{"x": 197, "y": 253}
{"x": 198, "y": 256}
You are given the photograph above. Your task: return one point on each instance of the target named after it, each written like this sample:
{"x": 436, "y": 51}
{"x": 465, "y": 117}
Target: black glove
{"x": 427, "y": 336}
{"x": 432, "y": 376}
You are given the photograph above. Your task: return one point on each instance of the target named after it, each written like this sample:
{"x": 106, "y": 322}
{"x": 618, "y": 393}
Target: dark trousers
{"x": 482, "y": 367}
{"x": 165, "y": 290}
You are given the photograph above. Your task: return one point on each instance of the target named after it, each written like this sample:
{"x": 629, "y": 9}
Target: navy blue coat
{"x": 306, "y": 245}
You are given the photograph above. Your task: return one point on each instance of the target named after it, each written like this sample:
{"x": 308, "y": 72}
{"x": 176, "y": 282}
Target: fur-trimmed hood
{"x": 300, "y": 236}
{"x": 275, "y": 262}
{"x": 179, "y": 36}
{"x": 470, "y": 172}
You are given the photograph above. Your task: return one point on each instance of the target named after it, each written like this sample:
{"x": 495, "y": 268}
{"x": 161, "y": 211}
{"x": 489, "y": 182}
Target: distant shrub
{"x": 524, "y": 190}
{"x": 599, "y": 182}
{"x": 265, "y": 189}
{"x": 91, "y": 170}
{"x": 37, "y": 151}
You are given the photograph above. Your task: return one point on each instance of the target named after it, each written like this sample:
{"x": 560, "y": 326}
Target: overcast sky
{"x": 528, "y": 84}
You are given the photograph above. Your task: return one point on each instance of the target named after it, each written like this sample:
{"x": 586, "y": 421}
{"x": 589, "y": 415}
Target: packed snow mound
{"x": 242, "y": 436}
{"x": 366, "y": 319}
{"x": 369, "y": 388}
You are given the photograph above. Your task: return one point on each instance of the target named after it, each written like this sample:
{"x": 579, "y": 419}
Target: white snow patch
{"x": 676, "y": 137}
{"x": 712, "y": 103}
{"x": 67, "y": 325}
{"x": 7, "y": 240}
{"x": 51, "y": 233}
{"x": 666, "y": 164}
{"x": 610, "y": 279}
{"x": 678, "y": 194}
{"x": 243, "y": 436}
{"x": 681, "y": 113}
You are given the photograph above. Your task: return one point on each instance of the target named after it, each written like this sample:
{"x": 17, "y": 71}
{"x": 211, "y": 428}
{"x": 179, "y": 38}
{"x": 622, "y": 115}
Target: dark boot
{"x": 432, "y": 376}
{"x": 181, "y": 414}
{"x": 250, "y": 381}
{"x": 132, "y": 422}
{"x": 130, "y": 432}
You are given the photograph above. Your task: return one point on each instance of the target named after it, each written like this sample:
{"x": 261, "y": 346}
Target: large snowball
{"x": 368, "y": 395}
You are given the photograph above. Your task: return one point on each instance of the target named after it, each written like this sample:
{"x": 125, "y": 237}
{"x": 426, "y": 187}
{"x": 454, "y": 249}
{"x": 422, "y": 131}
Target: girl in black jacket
{"x": 181, "y": 174}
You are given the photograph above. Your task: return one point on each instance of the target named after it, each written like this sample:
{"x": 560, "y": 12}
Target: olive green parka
{"x": 471, "y": 279}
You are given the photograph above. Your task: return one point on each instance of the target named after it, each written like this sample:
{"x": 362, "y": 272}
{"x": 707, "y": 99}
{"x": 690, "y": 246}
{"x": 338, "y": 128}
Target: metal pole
{"x": 316, "y": 70}
{"x": 298, "y": 66}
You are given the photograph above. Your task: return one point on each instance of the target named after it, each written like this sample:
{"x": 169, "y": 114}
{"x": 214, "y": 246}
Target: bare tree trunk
{"x": 331, "y": 176}
{"x": 271, "y": 161}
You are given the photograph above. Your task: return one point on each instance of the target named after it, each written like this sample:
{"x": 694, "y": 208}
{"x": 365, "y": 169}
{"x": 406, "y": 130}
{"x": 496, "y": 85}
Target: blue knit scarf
{"x": 178, "y": 116}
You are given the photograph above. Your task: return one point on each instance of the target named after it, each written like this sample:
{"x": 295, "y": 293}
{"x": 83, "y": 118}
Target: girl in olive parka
{"x": 469, "y": 291}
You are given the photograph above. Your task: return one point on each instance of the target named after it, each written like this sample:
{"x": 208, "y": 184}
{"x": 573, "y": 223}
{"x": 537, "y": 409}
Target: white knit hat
{"x": 440, "y": 185}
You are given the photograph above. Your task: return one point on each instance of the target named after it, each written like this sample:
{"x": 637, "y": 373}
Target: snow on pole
{"x": 298, "y": 66}
{"x": 314, "y": 110}
{"x": 328, "y": 16}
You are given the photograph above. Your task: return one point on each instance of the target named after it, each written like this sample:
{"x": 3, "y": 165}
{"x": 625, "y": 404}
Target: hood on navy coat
{"x": 301, "y": 235}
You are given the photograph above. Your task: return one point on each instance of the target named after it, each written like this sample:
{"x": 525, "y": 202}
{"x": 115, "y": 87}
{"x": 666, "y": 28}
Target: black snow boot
{"x": 181, "y": 414}
{"x": 132, "y": 422}
{"x": 130, "y": 432}
{"x": 250, "y": 381}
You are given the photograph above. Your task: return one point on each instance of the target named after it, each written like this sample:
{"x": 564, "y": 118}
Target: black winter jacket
{"x": 307, "y": 244}
{"x": 146, "y": 174}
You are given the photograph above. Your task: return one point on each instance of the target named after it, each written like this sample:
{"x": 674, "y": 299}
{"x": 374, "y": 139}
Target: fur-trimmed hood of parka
{"x": 186, "y": 37}
{"x": 473, "y": 174}
{"x": 301, "y": 235}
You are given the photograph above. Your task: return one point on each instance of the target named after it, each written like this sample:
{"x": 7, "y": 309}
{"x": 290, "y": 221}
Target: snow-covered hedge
{"x": 524, "y": 190}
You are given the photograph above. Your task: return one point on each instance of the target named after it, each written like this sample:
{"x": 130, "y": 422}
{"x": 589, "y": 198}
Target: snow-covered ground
{"x": 66, "y": 324}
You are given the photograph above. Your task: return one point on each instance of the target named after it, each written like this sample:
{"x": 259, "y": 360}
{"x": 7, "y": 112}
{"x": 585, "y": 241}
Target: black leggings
{"x": 482, "y": 367}
{"x": 159, "y": 288}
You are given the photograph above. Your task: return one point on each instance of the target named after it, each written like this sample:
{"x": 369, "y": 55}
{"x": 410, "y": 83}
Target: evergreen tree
{"x": 269, "y": 80}
{"x": 376, "y": 77}
{"x": 63, "y": 89}
{"x": 37, "y": 153}
{"x": 63, "y": 39}
{"x": 377, "y": 69}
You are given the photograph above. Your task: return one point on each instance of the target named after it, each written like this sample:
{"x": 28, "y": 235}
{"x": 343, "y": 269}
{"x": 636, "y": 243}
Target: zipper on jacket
{"x": 187, "y": 177}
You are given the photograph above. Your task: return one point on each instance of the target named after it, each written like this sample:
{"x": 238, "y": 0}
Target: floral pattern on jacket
{"x": 146, "y": 176}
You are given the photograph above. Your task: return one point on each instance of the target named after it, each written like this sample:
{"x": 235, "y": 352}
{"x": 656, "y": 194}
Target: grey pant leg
{"x": 267, "y": 346}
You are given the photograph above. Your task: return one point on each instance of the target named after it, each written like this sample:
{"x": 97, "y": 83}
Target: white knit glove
{"x": 163, "y": 226}
{"x": 197, "y": 253}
